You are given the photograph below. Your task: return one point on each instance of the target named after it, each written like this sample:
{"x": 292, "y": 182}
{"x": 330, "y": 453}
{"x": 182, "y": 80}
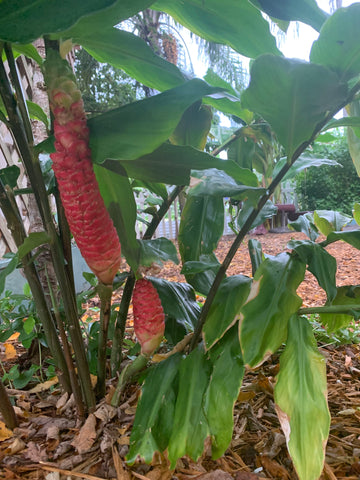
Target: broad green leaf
{"x": 34, "y": 240}
{"x": 306, "y": 11}
{"x": 29, "y": 324}
{"x": 325, "y": 138}
{"x": 10, "y": 175}
{"x": 301, "y": 400}
{"x": 179, "y": 303}
{"x": 157, "y": 250}
{"x": 351, "y": 237}
{"x": 23, "y": 21}
{"x": 130, "y": 53}
{"x": 201, "y": 227}
{"x": 356, "y": 212}
{"x": 329, "y": 221}
{"x": 128, "y": 133}
{"x": 27, "y": 50}
{"x": 338, "y": 46}
{"x": 158, "y": 188}
{"x": 172, "y": 164}
{"x": 256, "y": 254}
{"x": 9, "y": 268}
{"x": 343, "y": 122}
{"x": 223, "y": 390}
{"x": 221, "y": 22}
{"x": 346, "y": 295}
{"x": 293, "y": 96}
{"x": 242, "y": 152}
{"x": 271, "y": 302}
{"x": 193, "y": 127}
{"x": 220, "y": 184}
{"x": 321, "y": 264}
{"x": 117, "y": 12}
{"x": 305, "y": 224}
{"x": 268, "y": 211}
{"x": 119, "y": 200}
{"x": 190, "y": 428}
{"x": 194, "y": 267}
{"x": 301, "y": 164}
{"x": 36, "y": 112}
{"x": 153, "y": 400}
{"x": 224, "y": 310}
{"x": 230, "y": 105}
{"x": 353, "y": 135}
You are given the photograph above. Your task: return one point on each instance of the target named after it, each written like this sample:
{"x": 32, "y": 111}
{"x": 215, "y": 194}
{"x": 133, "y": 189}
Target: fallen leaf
{"x": 274, "y": 468}
{"x": 216, "y": 475}
{"x": 42, "y": 387}
{"x": 121, "y": 473}
{"x": 16, "y": 446}
{"x": 5, "y": 433}
{"x": 87, "y": 435}
{"x": 105, "y": 412}
{"x": 246, "y": 476}
{"x": 10, "y": 351}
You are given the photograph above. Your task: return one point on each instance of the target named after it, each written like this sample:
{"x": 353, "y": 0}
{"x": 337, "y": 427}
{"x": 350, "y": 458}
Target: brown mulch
{"x": 51, "y": 444}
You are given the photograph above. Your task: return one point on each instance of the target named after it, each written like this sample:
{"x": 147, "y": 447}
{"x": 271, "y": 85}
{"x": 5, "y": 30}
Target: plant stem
{"x": 105, "y": 292}
{"x": 227, "y": 143}
{"x": 120, "y": 323}
{"x": 254, "y": 213}
{"x": 6, "y": 408}
{"x": 128, "y": 372}
{"x": 15, "y": 225}
{"x": 34, "y": 173}
{"x": 348, "y": 309}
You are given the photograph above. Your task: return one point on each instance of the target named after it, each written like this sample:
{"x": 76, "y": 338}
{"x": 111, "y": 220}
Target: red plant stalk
{"x": 149, "y": 317}
{"x": 85, "y": 210}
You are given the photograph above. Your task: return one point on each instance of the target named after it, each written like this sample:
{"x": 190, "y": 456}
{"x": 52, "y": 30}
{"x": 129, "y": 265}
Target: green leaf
{"x": 321, "y": 264}
{"x": 29, "y": 51}
{"x": 305, "y": 224}
{"x": 172, "y": 164}
{"x": 306, "y": 11}
{"x": 190, "y": 427}
{"x": 126, "y": 132}
{"x": 119, "y": 200}
{"x": 300, "y": 396}
{"x": 9, "y": 175}
{"x": 156, "y": 251}
{"x": 36, "y": 112}
{"x": 130, "y": 53}
{"x": 179, "y": 303}
{"x": 353, "y": 135}
{"x": 268, "y": 211}
{"x": 24, "y": 21}
{"x": 194, "y": 267}
{"x": 193, "y": 127}
{"x": 153, "y": 399}
{"x": 293, "y": 96}
{"x": 9, "y": 268}
{"x": 201, "y": 227}
{"x": 256, "y": 254}
{"x": 231, "y": 105}
{"x": 158, "y": 188}
{"x": 220, "y": 184}
{"x": 356, "y": 212}
{"x": 328, "y": 221}
{"x": 338, "y": 46}
{"x": 342, "y": 122}
{"x": 351, "y": 237}
{"x": 242, "y": 152}
{"x": 29, "y": 324}
{"x": 34, "y": 240}
{"x": 223, "y": 390}
{"x": 301, "y": 164}
{"x": 271, "y": 302}
{"x": 230, "y": 297}
{"x": 346, "y": 295}
{"x": 117, "y": 12}
{"x": 221, "y": 22}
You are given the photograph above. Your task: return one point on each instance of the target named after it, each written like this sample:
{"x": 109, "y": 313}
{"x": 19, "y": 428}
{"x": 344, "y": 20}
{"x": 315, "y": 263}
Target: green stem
{"x": 6, "y": 408}
{"x": 128, "y": 372}
{"x": 254, "y": 213}
{"x": 348, "y": 309}
{"x": 105, "y": 292}
{"x": 120, "y": 324}
{"x": 34, "y": 173}
{"x": 227, "y": 143}
{"x": 15, "y": 225}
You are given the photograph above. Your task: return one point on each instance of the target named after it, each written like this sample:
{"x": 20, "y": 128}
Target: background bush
{"x": 329, "y": 187}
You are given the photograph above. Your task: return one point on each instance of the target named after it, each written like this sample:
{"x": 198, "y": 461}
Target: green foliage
{"x": 329, "y": 187}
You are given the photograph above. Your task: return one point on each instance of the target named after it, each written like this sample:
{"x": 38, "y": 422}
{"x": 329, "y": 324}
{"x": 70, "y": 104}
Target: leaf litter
{"x": 50, "y": 444}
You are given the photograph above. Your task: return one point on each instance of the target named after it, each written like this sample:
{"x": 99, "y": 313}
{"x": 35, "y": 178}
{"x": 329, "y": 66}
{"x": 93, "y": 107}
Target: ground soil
{"x": 47, "y": 443}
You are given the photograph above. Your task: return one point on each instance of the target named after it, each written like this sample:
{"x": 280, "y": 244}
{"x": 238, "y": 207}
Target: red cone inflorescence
{"x": 149, "y": 317}
{"x": 85, "y": 210}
